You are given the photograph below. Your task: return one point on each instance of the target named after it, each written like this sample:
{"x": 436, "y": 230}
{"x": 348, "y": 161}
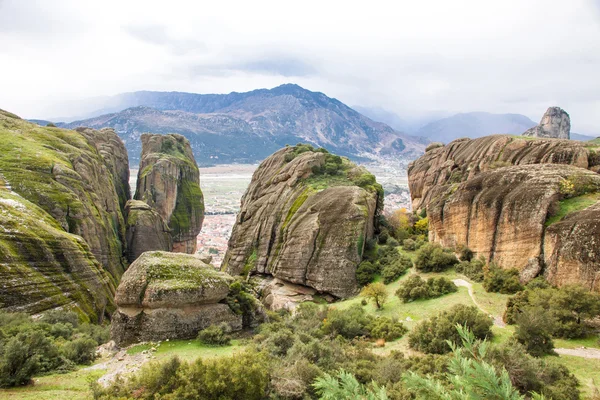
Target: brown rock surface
{"x": 303, "y": 227}
{"x": 169, "y": 182}
{"x": 146, "y": 230}
{"x": 555, "y": 123}
{"x": 170, "y": 295}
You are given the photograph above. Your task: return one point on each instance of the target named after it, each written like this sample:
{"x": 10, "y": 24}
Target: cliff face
{"x": 72, "y": 179}
{"x": 169, "y": 182}
{"x": 305, "y": 225}
{"x": 555, "y": 123}
{"x": 146, "y": 230}
{"x": 166, "y": 296}
{"x": 520, "y": 203}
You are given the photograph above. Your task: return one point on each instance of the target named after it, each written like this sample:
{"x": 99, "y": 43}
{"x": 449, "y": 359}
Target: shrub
{"x": 472, "y": 269}
{"x": 392, "y": 242}
{"x": 348, "y": 323}
{"x": 80, "y": 351}
{"x": 465, "y": 253}
{"x": 345, "y": 386}
{"x": 431, "y": 336}
{"x": 24, "y": 355}
{"x": 383, "y": 236}
{"x": 433, "y": 258}
{"x": 376, "y": 292}
{"x": 500, "y": 280}
{"x": 409, "y": 245}
{"x": 215, "y": 335}
{"x": 415, "y": 288}
{"x": 386, "y": 328}
{"x": 396, "y": 268}
{"x": 534, "y": 331}
{"x": 422, "y": 226}
{"x": 365, "y": 273}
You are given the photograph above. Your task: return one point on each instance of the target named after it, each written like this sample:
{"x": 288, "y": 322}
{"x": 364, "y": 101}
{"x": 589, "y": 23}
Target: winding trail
{"x": 584, "y": 352}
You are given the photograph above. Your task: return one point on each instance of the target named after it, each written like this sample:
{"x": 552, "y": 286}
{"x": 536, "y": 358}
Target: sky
{"x": 413, "y": 58}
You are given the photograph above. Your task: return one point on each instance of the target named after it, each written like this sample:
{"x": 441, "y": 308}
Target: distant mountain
{"x": 247, "y": 127}
{"x": 407, "y": 124}
{"x": 474, "y": 125}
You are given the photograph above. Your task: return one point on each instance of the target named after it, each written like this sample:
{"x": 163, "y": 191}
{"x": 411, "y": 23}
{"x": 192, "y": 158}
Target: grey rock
{"x": 554, "y": 124}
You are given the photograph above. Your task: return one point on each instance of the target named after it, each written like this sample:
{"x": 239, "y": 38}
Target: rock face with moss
{"x": 521, "y": 203}
{"x": 169, "y": 182}
{"x": 69, "y": 180}
{"x": 555, "y": 123}
{"x": 146, "y": 230}
{"x": 305, "y": 219}
{"x": 170, "y": 295}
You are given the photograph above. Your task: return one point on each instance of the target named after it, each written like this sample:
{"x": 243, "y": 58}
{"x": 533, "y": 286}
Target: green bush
{"x": 24, "y": 355}
{"x": 80, "y": 351}
{"x": 215, "y": 335}
{"x": 349, "y": 323}
{"x": 534, "y": 331}
{"x": 498, "y": 280}
{"x": 465, "y": 253}
{"x": 386, "y": 328}
{"x": 383, "y": 236}
{"x": 365, "y": 273}
{"x": 432, "y": 335}
{"x": 409, "y": 245}
{"x": 472, "y": 269}
{"x": 415, "y": 288}
{"x": 396, "y": 268}
{"x": 431, "y": 257}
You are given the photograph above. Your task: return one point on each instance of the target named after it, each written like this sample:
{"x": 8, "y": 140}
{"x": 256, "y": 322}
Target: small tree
{"x": 534, "y": 331}
{"x": 376, "y": 292}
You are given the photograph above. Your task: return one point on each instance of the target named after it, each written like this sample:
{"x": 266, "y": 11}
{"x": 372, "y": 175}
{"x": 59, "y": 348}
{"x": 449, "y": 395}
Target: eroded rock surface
{"x": 302, "y": 225}
{"x": 146, "y": 230}
{"x": 555, "y": 123}
{"x": 169, "y": 182}
{"x": 170, "y": 295}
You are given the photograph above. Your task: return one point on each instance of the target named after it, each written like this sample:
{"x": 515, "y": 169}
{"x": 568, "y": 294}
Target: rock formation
{"x": 69, "y": 181}
{"x": 304, "y": 219}
{"x": 169, "y": 182}
{"x": 522, "y": 203}
{"x": 146, "y": 230}
{"x": 554, "y": 124}
{"x": 168, "y": 295}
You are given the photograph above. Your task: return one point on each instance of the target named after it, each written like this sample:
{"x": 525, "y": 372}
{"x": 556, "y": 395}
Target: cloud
{"x": 409, "y": 57}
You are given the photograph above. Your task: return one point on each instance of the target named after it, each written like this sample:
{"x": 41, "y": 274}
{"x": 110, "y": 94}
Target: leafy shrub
{"x": 422, "y": 226}
{"x": 409, "y": 245}
{"x": 80, "y": 351}
{"x": 415, "y": 288}
{"x": 215, "y": 335}
{"x": 383, "y": 236}
{"x": 396, "y": 268}
{"x": 392, "y": 242}
{"x": 534, "y": 331}
{"x": 472, "y": 269}
{"x": 465, "y": 253}
{"x": 365, "y": 273}
{"x": 348, "y": 323}
{"x": 345, "y": 386}
{"x": 500, "y": 280}
{"x": 386, "y": 328}
{"x": 433, "y": 258}
{"x": 431, "y": 336}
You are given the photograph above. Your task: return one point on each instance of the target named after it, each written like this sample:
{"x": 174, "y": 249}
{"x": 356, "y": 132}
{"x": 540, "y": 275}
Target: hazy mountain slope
{"x": 247, "y": 127}
{"x": 474, "y": 125}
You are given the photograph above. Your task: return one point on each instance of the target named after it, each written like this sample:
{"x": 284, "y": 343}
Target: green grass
{"x": 590, "y": 341}
{"x": 73, "y": 386}
{"x": 587, "y": 370}
{"x": 189, "y": 350}
{"x": 572, "y": 205}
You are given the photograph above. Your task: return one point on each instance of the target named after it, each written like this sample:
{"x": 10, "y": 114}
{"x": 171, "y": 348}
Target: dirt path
{"x": 585, "y": 352}
{"x": 497, "y": 319}
{"x": 120, "y": 364}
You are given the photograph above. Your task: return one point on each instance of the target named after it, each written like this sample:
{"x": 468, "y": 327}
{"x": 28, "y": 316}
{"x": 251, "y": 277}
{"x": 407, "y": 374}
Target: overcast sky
{"x": 409, "y": 57}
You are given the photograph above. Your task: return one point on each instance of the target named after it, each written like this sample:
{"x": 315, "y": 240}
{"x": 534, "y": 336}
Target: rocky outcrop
{"x": 168, "y": 295}
{"x": 520, "y": 203}
{"x": 146, "y": 230}
{"x": 555, "y": 123}
{"x": 463, "y": 159}
{"x": 169, "y": 182}
{"x": 304, "y": 219}
{"x": 71, "y": 176}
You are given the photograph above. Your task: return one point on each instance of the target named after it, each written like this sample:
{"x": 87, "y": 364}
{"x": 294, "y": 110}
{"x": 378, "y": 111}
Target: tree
{"x": 433, "y": 258}
{"x": 401, "y": 223}
{"x": 500, "y": 280}
{"x": 471, "y": 376}
{"x": 422, "y": 226}
{"x": 345, "y": 386}
{"x": 396, "y": 268}
{"x": 534, "y": 331}
{"x": 365, "y": 273}
{"x": 376, "y": 292}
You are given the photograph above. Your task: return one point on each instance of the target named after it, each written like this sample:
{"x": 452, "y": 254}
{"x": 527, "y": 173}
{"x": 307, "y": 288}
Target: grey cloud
{"x": 159, "y": 36}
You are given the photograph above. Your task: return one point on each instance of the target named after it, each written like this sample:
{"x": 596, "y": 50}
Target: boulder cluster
{"x": 529, "y": 203}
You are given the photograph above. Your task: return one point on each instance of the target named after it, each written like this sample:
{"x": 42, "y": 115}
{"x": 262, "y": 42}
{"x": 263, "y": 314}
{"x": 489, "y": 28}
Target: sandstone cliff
{"x": 304, "y": 219}
{"x": 168, "y": 295}
{"x": 72, "y": 177}
{"x": 520, "y": 203}
{"x": 555, "y": 123}
{"x": 146, "y": 230}
{"x": 169, "y": 182}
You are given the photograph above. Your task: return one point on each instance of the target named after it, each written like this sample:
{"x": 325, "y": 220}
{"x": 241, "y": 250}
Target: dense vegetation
{"x": 56, "y": 342}
{"x": 415, "y": 288}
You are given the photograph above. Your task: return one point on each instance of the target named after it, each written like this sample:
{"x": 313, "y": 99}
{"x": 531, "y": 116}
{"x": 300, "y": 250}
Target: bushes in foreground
{"x": 54, "y": 343}
{"x": 498, "y": 280}
{"x": 415, "y": 288}
{"x": 433, "y": 335}
{"x": 431, "y": 257}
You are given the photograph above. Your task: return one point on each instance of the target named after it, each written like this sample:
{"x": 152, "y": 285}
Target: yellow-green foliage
{"x": 250, "y": 263}
{"x": 571, "y": 205}
{"x": 296, "y": 205}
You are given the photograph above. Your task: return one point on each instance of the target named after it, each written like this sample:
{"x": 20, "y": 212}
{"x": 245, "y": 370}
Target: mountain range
{"x": 247, "y": 127}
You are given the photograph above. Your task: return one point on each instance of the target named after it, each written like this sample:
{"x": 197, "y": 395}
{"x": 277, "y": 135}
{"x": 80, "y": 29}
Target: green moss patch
{"x": 569, "y": 206}
{"x": 175, "y": 271}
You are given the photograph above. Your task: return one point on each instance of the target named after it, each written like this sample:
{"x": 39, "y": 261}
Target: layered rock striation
{"x": 305, "y": 219}
{"x": 169, "y": 182}
{"x": 169, "y": 295}
{"x": 521, "y": 203}
{"x": 75, "y": 184}
{"x": 146, "y": 230}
